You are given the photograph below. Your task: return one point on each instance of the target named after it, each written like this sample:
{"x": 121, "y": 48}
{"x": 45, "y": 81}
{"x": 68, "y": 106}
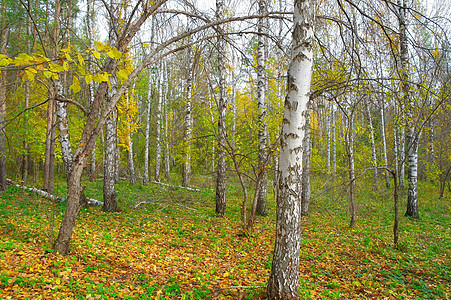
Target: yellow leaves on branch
{"x": 68, "y": 60}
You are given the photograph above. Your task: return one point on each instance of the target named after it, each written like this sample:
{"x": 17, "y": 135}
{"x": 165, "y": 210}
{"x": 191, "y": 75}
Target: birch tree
{"x": 188, "y": 122}
{"x": 3, "y": 44}
{"x": 222, "y": 104}
{"x": 261, "y": 101}
{"x": 109, "y": 180}
{"x": 284, "y": 279}
{"x": 411, "y": 136}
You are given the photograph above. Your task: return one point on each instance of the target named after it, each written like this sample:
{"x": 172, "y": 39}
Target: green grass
{"x": 174, "y": 247}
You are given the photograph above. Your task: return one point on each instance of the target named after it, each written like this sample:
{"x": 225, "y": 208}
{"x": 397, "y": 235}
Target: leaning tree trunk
{"x": 261, "y": 98}
{"x": 91, "y": 131}
{"x": 284, "y": 279}
{"x": 222, "y": 104}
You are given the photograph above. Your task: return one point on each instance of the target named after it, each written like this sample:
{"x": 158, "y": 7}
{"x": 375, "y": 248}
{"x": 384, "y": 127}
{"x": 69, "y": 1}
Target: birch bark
{"x": 411, "y": 136}
{"x": 188, "y": 128}
{"x": 306, "y": 156}
{"x": 158, "y": 126}
{"x": 147, "y": 134}
{"x": 284, "y": 279}
{"x": 261, "y": 102}
{"x": 373, "y": 145}
{"x": 110, "y": 157}
{"x": 222, "y": 104}
{"x": 3, "y": 39}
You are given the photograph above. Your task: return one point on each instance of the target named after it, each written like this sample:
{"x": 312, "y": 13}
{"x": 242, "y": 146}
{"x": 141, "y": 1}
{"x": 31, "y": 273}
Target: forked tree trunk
{"x": 284, "y": 279}
{"x": 222, "y": 104}
{"x": 91, "y": 131}
{"x": 261, "y": 102}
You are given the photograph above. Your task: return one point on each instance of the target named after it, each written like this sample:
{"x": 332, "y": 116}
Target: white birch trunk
{"x": 147, "y": 134}
{"x": 166, "y": 155}
{"x": 90, "y": 30}
{"x": 329, "y": 146}
{"x": 384, "y": 145}
{"x": 284, "y": 279}
{"x": 131, "y": 163}
{"x": 188, "y": 128}
{"x": 334, "y": 141}
{"x": 222, "y": 105}
{"x": 306, "y": 156}
{"x": 110, "y": 156}
{"x": 373, "y": 146}
{"x": 158, "y": 126}
{"x": 349, "y": 143}
{"x": 262, "y": 110}
{"x": 63, "y": 124}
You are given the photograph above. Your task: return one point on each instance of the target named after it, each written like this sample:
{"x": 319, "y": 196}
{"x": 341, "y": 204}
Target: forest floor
{"x": 174, "y": 247}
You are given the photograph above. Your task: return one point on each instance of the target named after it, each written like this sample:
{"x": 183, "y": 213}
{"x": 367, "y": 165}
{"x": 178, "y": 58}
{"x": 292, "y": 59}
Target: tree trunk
{"x": 147, "y": 134}
{"x": 306, "y": 156}
{"x": 90, "y": 31}
{"x": 63, "y": 122}
{"x": 384, "y": 145}
{"x": 3, "y": 41}
{"x": 74, "y": 191}
{"x": 166, "y": 156}
{"x": 262, "y": 123}
{"x": 110, "y": 157}
{"x": 334, "y": 140}
{"x": 131, "y": 163}
{"x": 91, "y": 131}
{"x": 158, "y": 126}
{"x": 411, "y": 136}
{"x": 188, "y": 128}
{"x": 222, "y": 104}
{"x": 284, "y": 279}
{"x": 373, "y": 145}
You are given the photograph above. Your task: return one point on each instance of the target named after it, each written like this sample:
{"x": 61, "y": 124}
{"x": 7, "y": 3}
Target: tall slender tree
{"x": 284, "y": 279}
{"x": 109, "y": 178}
{"x": 261, "y": 101}
{"x": 222, "y": 104}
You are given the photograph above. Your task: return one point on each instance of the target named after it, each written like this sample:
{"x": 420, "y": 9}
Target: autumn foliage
{"x": 167, "y": 244}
